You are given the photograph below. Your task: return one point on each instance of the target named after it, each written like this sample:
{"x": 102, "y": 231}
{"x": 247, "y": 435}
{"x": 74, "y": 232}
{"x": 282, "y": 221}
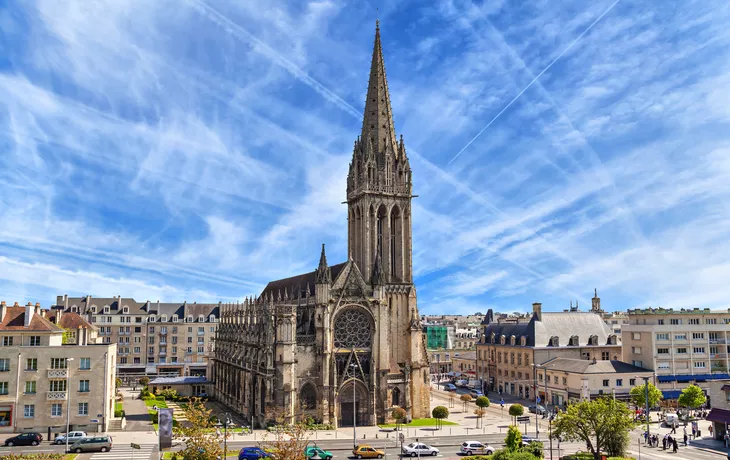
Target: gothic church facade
{"x": 342, "y": 344}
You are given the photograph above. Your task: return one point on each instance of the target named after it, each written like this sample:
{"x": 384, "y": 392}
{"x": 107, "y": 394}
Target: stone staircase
{"x": 117, "y": 424}
{"x": 177, "y": 413}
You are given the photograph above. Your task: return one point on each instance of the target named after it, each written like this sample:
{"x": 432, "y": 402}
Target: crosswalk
{"x": 126, "y": 452}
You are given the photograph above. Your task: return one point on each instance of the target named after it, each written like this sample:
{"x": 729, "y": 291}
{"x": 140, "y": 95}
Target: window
{"x": 152, "y": 329}
{"x": 698, "y": 350}
{"x": 83, "y": 386}
{"x": 663, "y": 336}
{"x": 619, "y": 382}
{"x": 675, "y": 321}
{"x": 694, "y": 321}
{"x": 638, "y": 363}
{"x": 125, "y": 310}
{"x": 137, "y": 319}
{"x": 85, "y": 364}
{"x": 201, "y": 318}
{"x": 83, "y": 408}
{"x": 698, "y": 335}
{"x": 700, "y": 364}
{"x": 212, "y": 329}
{"x": 150, "y": 360}
{"x": 201, "y": 330}
{"x": 31, "y": 364}
{"x": 660, "y": 322}
{"x": 605, "y": 383}
{"x": 174, "y": 329}
{"x": 163, "y": 318}
{"x": 29, "y": 411}
{"x": 681, "y": 351}
{"x": 137, "y": 330}
{"x": 190, "y": 330}
{"x": 636, "y": 336}
{"x": 711, "y": 321}
{"x": 4, "y": 364}
{"x": 35, "y": 341}
{"x": 3, "y": 388}
{"x": 662, "y": 351}
{"x": 632, "y": 382}
{"x": 555, "y": 379}
{"x": 190, "y": 319}
{"x": 190, "y": 340}
{"x": 151, "y": 340}
{"x": 136, "y": 361}
{"x": 57, "y": 385}
{"x": 664, "y": 365}
{"x": 7, "y": 341}
{"x": 201, "y": 349}
{"x": 123, "y": 360}
{"x": 212, "y": 318}
{"x": 56, "y": 409}
{"x": 201, "y": 341}
{"x": 636, "y": 350}
{"x": 136, "y": 349}
{"x": 151, "y": 319}
{"x": 58, "y": 363}
{"x": 605, "y": 356}
{"x": 565, "y": 380}
{"x": 30, "y": 386}
{"x": 175, "y": 318}
{"x": 680, "y": 336}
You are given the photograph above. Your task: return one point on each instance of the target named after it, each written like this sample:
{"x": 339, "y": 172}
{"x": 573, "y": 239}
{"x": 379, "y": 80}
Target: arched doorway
{"x": 308, "y": 398}
{"x": 357, "y": 404}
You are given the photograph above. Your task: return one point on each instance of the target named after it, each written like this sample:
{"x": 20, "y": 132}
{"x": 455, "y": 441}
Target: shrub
{"x": 535, "y": 448}
{"x": 144, "y": 381}
{"x": 513, "y": 440}
{"x": 516, "y": 410}
{"x": 160, "y": 397}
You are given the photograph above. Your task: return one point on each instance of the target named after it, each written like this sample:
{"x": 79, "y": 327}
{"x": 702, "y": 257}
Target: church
{"x": 342, "y": 344}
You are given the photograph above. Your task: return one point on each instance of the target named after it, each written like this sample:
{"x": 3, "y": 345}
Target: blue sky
{"x": 197, "y": 149}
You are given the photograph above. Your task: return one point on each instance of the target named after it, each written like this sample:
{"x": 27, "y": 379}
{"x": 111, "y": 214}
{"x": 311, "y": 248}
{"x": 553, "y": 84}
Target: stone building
{"x": 310, "y": 344}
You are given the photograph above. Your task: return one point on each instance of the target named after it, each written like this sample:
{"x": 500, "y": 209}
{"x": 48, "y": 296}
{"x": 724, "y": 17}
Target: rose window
{"x": 353, "y": 330}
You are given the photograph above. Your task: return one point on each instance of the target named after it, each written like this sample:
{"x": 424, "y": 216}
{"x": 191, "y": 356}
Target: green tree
{"x": 117, "y": 383}
{"x": 513, "y": 441}
{"x": 603, "y": 424}
{"x": 692, "y": 397}
{"x": 465, "y": 399}
{"x": 638, "y": 395}
{"x": 440, "y": 413}
{"x": 516, "y": 410}
{"x": 202, "y": 442}
{"x": 482, "y": 403}
{"x": 144, "y": 381}
{"x": 399, "y": 414}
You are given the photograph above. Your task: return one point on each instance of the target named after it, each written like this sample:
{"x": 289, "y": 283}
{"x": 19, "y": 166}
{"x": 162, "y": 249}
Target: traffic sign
{"x": 538, "y": 400}
{"x": 523, "y": 419}
{"x": 134, "y": 446}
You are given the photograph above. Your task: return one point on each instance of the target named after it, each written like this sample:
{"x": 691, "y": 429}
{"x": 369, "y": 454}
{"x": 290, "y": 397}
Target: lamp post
{"x": 353, "y": 366}
{"x": 646, "y": 401}
{"x": 68, "y": 399}
{"x": 225, "y": 417}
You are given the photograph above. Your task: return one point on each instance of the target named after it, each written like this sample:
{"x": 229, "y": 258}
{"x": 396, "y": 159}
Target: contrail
{"x": 535, "y": 79}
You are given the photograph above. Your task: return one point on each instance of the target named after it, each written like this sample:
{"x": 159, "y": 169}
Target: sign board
{"x": 100, "y": 415}
{"x": 165, "y": 428}
{"x": 538, "y": 400}
{"x": 523, "y": 419}
{"x": 134, "y": 446}
{"x": 94, "y": 420}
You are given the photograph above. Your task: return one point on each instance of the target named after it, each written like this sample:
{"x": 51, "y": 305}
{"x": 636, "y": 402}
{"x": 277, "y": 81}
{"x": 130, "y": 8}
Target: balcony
{"x": 57, "y": 373}
{"x": 717, "y": 341}
{"x": 55, "y": 395}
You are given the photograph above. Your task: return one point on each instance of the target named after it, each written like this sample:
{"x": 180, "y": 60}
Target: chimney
{"x": 59, "y": 313}
{"x": 37, "y": 309}
{"x": 65, "y": 301}
{"x": 537, "y": 310}
{"x": 3, "y": 310}
{"x": 79, "y": 338}
{"x": 28, "y": 314}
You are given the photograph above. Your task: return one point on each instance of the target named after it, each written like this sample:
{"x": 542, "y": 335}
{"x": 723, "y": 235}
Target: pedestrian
{"x": 664, "y": 443}
{"x": 674, "y": 428}
{"x": 694, "y": 431}
{"x": 675, "y": 446}
{"x": 685, "y": 438}
{"x": 727, "y": 439}
{"x": 710, "y": 430}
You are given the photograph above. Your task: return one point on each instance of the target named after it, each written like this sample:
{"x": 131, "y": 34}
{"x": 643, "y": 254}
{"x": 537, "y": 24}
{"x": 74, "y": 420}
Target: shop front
{"x": 6, "y": 418}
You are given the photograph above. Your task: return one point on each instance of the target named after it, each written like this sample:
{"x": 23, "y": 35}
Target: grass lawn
{"x": 153, "y": 413}
{"x": 70, "y": 456}
{"x": 118, "y": 408}
{"x": 420, "y": 422}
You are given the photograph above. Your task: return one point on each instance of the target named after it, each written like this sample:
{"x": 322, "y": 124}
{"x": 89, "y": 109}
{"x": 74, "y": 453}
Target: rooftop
{"x": 186, "y": 380}
{"x": 681, "y": 311}
{"x": 14, "y": 319}
{"x": 584, "y": 366}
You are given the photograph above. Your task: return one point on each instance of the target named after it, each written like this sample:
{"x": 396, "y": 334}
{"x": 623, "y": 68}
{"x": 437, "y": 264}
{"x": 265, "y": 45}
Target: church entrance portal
{"x": 360, "y": 407}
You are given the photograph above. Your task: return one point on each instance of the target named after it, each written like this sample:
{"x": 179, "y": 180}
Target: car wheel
{"x": 359, "y": 456}
{"x": 34, "y": 443}
{"x": 413, "y": 454}
{"x": 434, "y": 453}
{"x": 9, "y": 444}
{"x": 468, "y": 452}
{"x": 104, "y": 449}
{"x": 380, "y": 455}
{"x": 78, "y": 450}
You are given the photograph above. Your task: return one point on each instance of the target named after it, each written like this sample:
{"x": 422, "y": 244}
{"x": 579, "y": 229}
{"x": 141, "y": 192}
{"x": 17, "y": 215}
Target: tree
{"x": 144, "y": 381}
{"x": 603, "y": 424}
{"x": 516, "y": 410}
{"x": 440, "y": 413}
{"x": 465, "y": 399}
{"x": 482, "y": 403}
{"x": 513, "y": 441}
{"x": 399, "y": 414}
{"x": 692, "y": 397}
{"x": 201, "y": 441}
{"x": 638, "y": 395}
{"x": 117, "y": 383}
{"x": 289, "y": 441}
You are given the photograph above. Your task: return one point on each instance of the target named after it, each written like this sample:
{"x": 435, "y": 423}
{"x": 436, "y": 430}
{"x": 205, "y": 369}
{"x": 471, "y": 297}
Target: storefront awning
{"x": 671, "y": 394}
{"x": 719, "y": 415}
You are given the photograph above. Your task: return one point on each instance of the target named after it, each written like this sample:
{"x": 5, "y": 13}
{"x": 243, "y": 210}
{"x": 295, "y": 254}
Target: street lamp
{"x": 353, "y": 366}
{"x": 68, "y": 399}
{"x": 225, "y": 419}
{"x": 316, "y": 453}
{"x": 646, "y": 400}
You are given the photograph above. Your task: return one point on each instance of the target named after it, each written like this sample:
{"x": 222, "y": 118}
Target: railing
{"x": 57, "y": 373}
{"x": 717, "y": 341}
{"x": 55, "y": 395}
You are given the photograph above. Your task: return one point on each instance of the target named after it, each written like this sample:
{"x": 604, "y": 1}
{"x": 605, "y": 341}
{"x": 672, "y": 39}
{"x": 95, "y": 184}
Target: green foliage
{"x": 506, "y": 454}
{"x": 44, "y": 456}
{"x": 144, "y": 381}
{"x": 638, "y": 395}
{"x": 513, "y": 441}
{"x": 68, "y": 337}
{"x": 118, "y": 409}
{"x": 200, "y": 442}
{"x": 440, "y": 413}
{"x": 603, "y": 424}
{"x": 168, "y": 394}
{"x": 399, "y": 414}
{"x": 516, "y": 410}
{"x": 692, "y": 397}
{"x": 535, "y": 448}
{"x": 482, "y": 401}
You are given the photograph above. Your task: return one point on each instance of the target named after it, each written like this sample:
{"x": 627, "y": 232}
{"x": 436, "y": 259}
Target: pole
{"x": 537, "y": 403}
{"x": 418, "y": 445}
{"x": 354, "y": 416}
{"x": 225, "y": 436}
{"x": 550, "y": 436}
{"x": 68, "y": 400}
{"x": 646, "y": 395}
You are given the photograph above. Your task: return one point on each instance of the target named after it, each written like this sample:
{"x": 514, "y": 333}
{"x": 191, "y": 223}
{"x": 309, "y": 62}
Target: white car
{"x": 414, "y": 449}
{"x": 72, "y": 437}
{"x": 476, "y": 447}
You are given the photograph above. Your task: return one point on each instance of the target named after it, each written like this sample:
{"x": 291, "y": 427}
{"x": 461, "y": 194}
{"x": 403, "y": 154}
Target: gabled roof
{"x": 15, "y": 321}
{"x": 585, "y": 366}
{"x": 70, "y": 320}
{"x": 298, "y": 283}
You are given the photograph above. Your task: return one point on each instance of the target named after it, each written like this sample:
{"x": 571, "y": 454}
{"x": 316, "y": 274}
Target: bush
{"x": 48, "y": 456}
{"x": 516, "y": 410}
{"x": 535, "y": 448}
{"x": 506, "y": 454}
{"x": 160, "y": 397}
{"x": 144, "y": 381}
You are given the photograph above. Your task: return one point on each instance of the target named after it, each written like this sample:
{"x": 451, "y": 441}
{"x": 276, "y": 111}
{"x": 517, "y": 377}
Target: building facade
{"x": 719, "y": 392}
{"x": 41, "y": 378}
{"x": 153, "y": 338}
{"x": 681, "y": 346}
{"x": 510, "y": 349}
{"x": 346, "y": 337}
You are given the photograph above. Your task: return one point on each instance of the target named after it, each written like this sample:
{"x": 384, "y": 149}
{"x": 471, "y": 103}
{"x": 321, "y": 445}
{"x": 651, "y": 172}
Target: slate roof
{"x": 15, "y": 321}
{"x": 70, "y": 320}
{"x": 182, "y": 309}
{"x": 186, "y": 380}
{"x": 298, "y": 282}
{"x": 585, "y": 366}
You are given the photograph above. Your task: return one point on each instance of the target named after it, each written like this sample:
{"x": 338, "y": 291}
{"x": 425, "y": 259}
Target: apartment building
{"x": 561, "y": 380}
{"x": 466, "y": 338}
{"x": 510, "y": 348}
{"x": 153, "y": 338}
{"x": 41, "y": 377}
{"x": 681, "y": 346}
{"x": 719, "y": 392}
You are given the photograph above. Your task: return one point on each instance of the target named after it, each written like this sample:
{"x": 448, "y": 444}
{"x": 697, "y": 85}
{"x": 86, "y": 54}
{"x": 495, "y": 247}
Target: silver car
{"x": 416, "y": 448}
{"x": 92, "y": 444}
{"x": 72, "y": 437}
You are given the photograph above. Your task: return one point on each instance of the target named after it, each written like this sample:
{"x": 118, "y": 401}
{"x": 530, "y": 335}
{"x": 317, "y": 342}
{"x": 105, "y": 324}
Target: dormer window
{"x": 74, "y": 308}
{"x": 190, "y": 319}
{"x": 523, "y": 341}
{"x": 554, "y": 341}
{"x": 125, "y": 310}
{"x": 502, "y": 339}
{"x": 151, "y": 319}
{"x": 201, "y": 318}
{"x": 612, "y": 340}
{"x": 93, "y": 309}
{"x": 163, "y": 318}
{"x": 212, "y": 318}
{"x": 512, "y": 340}
{"x": 573, "y": 341}
{"x": 593, "y": 340}
{"x": 106, "y": 309}
{"x": 174, "y": 318}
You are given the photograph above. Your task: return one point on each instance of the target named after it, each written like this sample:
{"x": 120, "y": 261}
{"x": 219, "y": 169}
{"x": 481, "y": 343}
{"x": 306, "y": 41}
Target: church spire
{"x": 377, "y": 123}
{"x": 324, "y": 275}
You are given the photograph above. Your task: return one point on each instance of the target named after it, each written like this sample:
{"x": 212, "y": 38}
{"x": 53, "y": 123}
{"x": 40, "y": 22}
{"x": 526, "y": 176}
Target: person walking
{"x": 675, "y": 446}
{"x": 685, "y": 438}
{"x": 710, "y": 430}
{"x": 664, "y": 442}
{"x": 674, "y": 428}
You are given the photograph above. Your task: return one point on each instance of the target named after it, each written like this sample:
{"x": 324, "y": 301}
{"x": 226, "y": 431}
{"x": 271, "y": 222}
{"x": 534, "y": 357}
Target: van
{"x": 92, "y": 444}
{"x": 671, "y": 419}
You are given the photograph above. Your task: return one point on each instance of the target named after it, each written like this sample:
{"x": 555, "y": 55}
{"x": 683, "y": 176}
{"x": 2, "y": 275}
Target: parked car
{"x": 311, "y": 450}
{"x": 365, "y": 451}
{"x": 476, "y": 447}
{"x": 536, "y": 409}
{"x": 97, "y": 443}
{"x": 252, "y": 453}
{"x": 415, "y": 449}
{"x": 476, "y": 393}
{"x": 462, "y": 383}
{"x": 72, "y": 437}
{"x": 528, "y": 440}
{"x": 450, "y": 387}
{"x": 24, "y": 439}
